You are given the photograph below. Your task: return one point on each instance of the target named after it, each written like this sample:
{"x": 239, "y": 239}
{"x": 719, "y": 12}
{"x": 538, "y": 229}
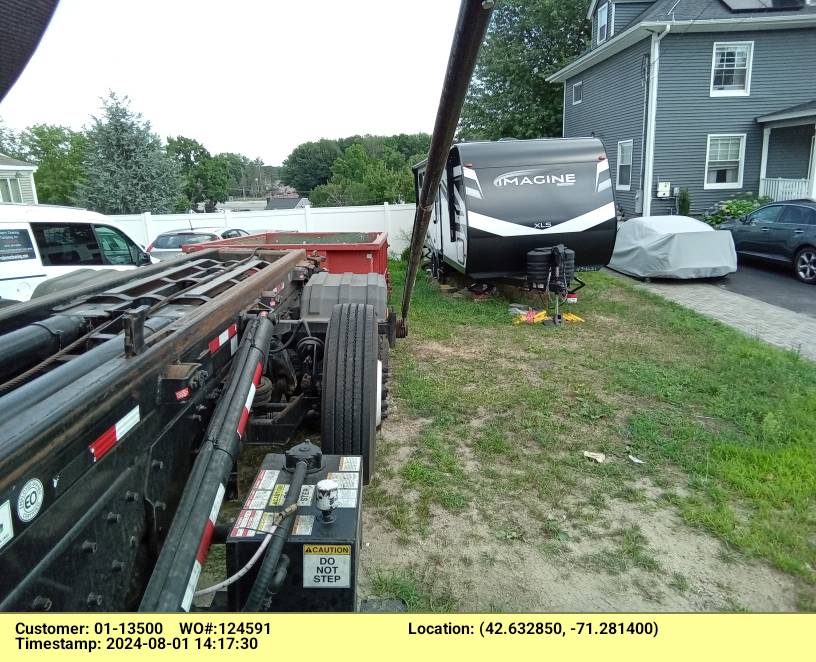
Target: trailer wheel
{"x": 350, "y": 384}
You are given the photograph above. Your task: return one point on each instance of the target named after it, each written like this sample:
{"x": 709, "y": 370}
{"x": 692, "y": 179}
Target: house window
{"x": 603, "y": 22}
{"x": 725, "y": 158}
{"x": 10, "y": 190}
{"x": 731, "y": 69}
{"x": 577, "y": 93}
{"x": 624, "y": 179}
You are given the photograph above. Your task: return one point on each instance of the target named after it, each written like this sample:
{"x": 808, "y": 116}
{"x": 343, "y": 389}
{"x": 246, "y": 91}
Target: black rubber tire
{"x": 349, "y": 399}
{"x": 802, "y": 272}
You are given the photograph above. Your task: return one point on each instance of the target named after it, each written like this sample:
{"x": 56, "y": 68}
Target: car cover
{"x": 673, "y": 247}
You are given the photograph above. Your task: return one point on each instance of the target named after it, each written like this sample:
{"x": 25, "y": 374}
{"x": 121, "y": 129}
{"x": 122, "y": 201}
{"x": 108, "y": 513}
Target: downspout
{"x": 650, "y": 128}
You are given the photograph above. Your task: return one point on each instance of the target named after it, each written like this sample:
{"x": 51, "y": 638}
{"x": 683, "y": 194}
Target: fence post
{"x": 146, "y": 223}
{"x": 307, "y": 217}
{"x": 387, "y": 210}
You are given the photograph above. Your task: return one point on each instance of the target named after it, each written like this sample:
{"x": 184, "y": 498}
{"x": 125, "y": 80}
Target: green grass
{"x": 730, "y": 418}
{"x": 419, "y": 593}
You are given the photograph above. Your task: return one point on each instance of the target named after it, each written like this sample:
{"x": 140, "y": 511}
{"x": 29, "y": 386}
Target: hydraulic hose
{"x": 174, "y": 576}
{"x": 31, "y": 344}
{"x": 260, "y": 594}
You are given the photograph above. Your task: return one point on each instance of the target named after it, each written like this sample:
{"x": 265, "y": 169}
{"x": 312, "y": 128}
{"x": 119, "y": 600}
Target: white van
{"x": 39, "y": 242}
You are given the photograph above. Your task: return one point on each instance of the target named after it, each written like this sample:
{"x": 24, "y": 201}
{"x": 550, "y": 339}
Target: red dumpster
{"x": 355, "y": 252}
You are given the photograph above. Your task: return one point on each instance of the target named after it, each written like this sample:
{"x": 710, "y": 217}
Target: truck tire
{"x": 350, "y": 389}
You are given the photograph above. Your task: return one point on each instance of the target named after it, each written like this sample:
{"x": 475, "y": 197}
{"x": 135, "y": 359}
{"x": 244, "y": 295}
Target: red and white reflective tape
{"x": 256, "y": 379}
{"x": 107, "y": 440}
{"x": 229, "y": 335}
{"x": 203, "y": 548}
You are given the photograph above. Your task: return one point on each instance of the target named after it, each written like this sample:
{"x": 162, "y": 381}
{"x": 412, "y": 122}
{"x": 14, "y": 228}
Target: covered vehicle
{"x": 673, "y": 247}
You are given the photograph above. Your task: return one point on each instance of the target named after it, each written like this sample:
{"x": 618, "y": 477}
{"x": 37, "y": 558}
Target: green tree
{"x": 216, "y": 179}
{"x": 191, "y": 157}
{"x": 126, "y": 168}
{"x": 362, "y": 178}
{"x": 9, "y": 142}
{"x": 310, "y": 165}
{"x": 58, "y": 153}
{"x": 527, "y": 41}
{"x": 237, "y": 168}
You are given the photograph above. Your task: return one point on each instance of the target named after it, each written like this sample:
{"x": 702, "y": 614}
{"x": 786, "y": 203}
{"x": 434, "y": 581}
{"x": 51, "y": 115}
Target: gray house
{"x": 716, "y": 96}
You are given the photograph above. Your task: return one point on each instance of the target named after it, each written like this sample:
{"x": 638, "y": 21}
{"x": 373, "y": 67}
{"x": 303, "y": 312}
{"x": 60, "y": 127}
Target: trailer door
{"x": 459, "y": 215}
{"x": 454, "y": 228}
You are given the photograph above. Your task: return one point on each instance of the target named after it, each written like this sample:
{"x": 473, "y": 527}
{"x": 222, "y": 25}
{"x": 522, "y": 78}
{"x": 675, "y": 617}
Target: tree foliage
{"x": 362, "y": 170}
{"x": 207, "y": 178}
{"x": 527, "y": 41}
{"x": 126, "y": 168}
{"x": 309, "y": 164}
{"x": 9, "y": 142}
{"x": 58, "y": 153}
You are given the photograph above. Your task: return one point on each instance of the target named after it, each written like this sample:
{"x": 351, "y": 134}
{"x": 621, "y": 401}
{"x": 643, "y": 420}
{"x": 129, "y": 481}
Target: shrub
{"x": 734, "y": 208}
{"x": 684, "y": 202}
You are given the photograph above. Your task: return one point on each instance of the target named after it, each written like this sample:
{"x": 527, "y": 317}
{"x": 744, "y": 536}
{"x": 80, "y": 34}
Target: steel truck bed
{"x": 123, "y": 410}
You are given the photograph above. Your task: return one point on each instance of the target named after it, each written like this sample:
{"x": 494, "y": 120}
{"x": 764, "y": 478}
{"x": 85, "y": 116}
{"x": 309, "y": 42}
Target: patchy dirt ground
{"x": 461, "y": 559}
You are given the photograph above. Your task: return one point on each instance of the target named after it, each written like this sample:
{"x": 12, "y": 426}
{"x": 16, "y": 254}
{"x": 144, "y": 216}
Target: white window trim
{"x": 732, "y": 93}
{"x": 598, "y": 40}
{"x": 580, "y": 84}
{"x": 13, "y": 180}
{"x": 733, "y": 185}
{"x": 611, "y": 20}
{"x": 618, "y": 186}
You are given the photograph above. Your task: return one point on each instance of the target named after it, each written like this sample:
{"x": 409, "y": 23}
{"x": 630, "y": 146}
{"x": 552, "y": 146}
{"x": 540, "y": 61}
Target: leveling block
{"x": 323, "y": 550}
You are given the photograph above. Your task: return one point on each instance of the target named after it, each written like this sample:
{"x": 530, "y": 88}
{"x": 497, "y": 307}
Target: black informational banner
{"x": 15, "y": 245}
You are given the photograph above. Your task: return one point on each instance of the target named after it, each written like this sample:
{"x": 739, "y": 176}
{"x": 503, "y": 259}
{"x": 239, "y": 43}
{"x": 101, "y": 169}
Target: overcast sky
{"x": 251, "y": 76}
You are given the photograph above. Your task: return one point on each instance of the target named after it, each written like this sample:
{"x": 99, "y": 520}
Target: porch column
{"x": 763, "y": 168}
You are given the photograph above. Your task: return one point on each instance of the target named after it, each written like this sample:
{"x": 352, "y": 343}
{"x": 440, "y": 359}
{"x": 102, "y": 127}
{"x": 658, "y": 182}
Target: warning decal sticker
{"x": 306, "y": 494}
{"x": 346, "y": 498}
{"x": 350, "y": 463}
{"x": 345, "y": 481}
{"x": 303, "y": 525}
{"x": 326, "y": 566}
{"x": 279, "y": 495}
{"x": 257, "y": 500}
{"x": 6, "y": 526}
{"x": 266, "y": 479}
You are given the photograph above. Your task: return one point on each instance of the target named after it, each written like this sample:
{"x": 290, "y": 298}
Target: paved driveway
{"x": 770, "y": 322}
{"x": 772, "y": 284}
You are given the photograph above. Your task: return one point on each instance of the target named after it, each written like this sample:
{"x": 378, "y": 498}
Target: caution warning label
{"x": 326, "y": 566}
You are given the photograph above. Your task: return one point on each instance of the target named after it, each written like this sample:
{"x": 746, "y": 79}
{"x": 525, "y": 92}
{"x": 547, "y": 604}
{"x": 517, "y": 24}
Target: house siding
{"x": 26, "y": 184}
{"x": 627, "y": 12}
{"x": 27, "y": 190}
{"x": 612, "y": 110}
{"x": 789, "y": 152}
{"x": 686, "y": 113}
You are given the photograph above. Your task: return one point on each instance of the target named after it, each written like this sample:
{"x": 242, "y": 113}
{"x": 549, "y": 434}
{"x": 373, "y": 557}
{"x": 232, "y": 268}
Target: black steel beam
{"x": 474, "y": 17}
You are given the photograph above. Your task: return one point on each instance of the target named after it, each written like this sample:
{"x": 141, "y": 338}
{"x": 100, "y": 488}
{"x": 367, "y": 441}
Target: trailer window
{"x": 66, "y": 244}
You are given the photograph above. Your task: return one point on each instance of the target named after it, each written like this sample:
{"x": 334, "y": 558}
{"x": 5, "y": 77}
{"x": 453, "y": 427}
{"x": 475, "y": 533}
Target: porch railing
{"x": 779, "y": 188}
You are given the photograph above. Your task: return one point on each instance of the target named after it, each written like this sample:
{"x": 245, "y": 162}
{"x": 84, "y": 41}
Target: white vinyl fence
{"x": 396, "y": 220}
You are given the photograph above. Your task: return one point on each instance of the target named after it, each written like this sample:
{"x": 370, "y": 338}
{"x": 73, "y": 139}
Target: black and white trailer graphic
{"x": 499, "y": 200}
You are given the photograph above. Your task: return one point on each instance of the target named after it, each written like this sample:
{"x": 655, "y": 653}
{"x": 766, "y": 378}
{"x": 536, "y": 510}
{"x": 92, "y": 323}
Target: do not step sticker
{"x": 326, "y": 566}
